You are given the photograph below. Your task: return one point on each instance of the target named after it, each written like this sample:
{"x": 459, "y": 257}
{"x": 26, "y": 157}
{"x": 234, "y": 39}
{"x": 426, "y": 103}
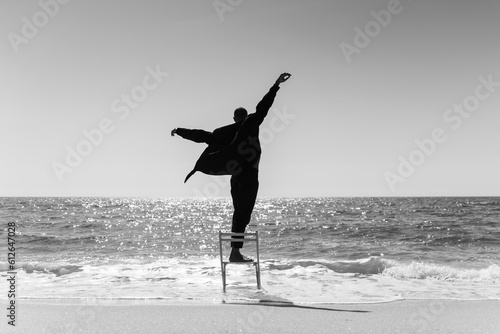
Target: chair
{"x": 248, "y": 237}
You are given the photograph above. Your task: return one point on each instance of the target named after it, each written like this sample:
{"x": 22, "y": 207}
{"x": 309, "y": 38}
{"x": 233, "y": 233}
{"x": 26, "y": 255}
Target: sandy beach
{"x": 159, "y": 316}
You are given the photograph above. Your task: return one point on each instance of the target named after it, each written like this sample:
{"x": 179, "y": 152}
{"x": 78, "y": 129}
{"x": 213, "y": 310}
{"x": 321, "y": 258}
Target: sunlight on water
{"x": 312, "y": 250}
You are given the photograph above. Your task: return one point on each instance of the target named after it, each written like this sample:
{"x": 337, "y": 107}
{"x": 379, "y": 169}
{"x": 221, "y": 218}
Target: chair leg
{"x": 224, "y": 277}
{"x": 257, "y": 274}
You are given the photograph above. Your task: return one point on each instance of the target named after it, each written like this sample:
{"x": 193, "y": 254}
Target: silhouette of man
{"x": 235, "y": 150}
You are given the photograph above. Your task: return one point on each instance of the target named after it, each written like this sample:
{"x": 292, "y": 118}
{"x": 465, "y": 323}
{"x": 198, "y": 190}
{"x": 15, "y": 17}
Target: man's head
{"x": 240, "y": 114}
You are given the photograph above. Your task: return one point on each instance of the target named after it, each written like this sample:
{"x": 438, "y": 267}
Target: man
{"x": 235, "y": 150}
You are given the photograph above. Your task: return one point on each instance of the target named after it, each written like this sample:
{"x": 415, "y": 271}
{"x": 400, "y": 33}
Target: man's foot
{"x": 239, "y": 258}
{"x": 236, "y": 256}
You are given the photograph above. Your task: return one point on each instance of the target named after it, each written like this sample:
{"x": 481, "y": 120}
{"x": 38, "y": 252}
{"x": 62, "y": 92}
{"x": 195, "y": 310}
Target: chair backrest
{"x": 227, "y": 236}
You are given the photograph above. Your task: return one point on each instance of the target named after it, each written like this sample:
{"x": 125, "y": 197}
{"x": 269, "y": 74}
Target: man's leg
{"x": 234, "y": 195}
{"x": 244, "y": 193}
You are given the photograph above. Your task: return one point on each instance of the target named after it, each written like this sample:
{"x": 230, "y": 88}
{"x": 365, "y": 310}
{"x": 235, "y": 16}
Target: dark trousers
{"x": 244, "y": 189}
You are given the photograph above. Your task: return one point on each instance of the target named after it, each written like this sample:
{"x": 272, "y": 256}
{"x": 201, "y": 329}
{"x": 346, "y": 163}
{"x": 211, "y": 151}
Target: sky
{"x": 386, "y": 98}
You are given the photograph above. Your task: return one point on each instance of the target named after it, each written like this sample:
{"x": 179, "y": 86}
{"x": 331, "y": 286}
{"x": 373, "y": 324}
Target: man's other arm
{"x": 198, "y": 136}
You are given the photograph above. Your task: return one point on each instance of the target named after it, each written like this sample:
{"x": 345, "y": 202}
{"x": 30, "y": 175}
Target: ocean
{"x": 312, "y": 250}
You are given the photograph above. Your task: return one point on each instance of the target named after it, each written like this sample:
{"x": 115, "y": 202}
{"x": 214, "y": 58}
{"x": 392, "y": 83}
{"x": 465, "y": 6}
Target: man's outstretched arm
{"x": 268, "y": 99}
{"x": 198, "y": 136}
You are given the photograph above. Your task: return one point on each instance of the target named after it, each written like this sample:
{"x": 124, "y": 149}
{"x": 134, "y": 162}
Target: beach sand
{"x": 160, "y": 316}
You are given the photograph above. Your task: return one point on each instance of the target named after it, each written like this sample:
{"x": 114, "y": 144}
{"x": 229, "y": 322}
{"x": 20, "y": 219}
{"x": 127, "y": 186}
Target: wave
{"x": 54, "y": 268}
{"x": 44, "y": 238}
{"x": 373, "y": 279}
{"x": 373, "y": 265}
{"x": 420, "y": 270}
{"x": 414, "y": 270}
{"x": 369, "y": 266}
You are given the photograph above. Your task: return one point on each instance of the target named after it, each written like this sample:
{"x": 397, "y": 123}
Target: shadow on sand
{"x": 273, "y": 303}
